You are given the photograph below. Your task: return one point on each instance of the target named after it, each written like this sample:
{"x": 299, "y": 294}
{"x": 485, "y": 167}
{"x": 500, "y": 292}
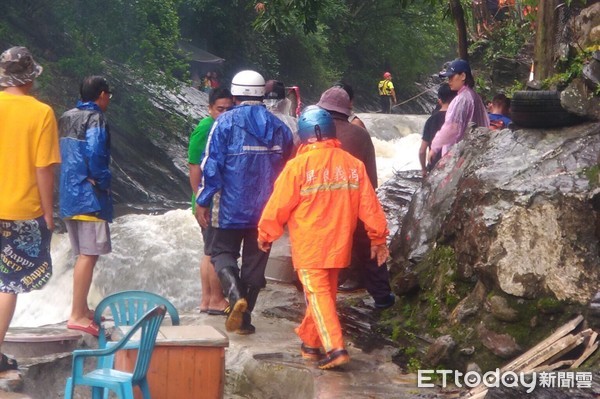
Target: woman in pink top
{"x": 466, "y": 107}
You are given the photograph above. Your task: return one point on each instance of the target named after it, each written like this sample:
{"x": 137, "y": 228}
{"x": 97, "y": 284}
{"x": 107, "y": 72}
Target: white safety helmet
{"x": 248, "y": 83}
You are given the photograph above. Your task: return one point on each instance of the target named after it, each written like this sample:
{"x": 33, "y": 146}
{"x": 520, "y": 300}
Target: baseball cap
{"x": 456, "y": 66}
{"x": 274, "y": 90}
{"x": 17, "y": 67}
{"x": 336, "y": 99}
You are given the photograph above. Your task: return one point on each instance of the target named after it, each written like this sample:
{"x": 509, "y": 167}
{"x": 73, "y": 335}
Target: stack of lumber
{"x": 564, "y": 348}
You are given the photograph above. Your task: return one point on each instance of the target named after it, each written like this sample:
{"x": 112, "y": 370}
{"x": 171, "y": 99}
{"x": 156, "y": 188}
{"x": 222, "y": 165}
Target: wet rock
{"x": 515, "y": 206}
{"x": 440, "y": 350}
{"x": 580, "y": 100}
{"x": 395, "y": 196}
{"x": 502, "y": 345}
{"x": 591, "y": 72}
{"x": 587, "y": 26}
{"x": 470, "y": 305}
{"x": 501, "y": 310}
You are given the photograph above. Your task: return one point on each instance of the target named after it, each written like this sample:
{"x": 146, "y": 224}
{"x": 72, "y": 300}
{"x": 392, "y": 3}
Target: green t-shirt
{"x": 198, "y": 140}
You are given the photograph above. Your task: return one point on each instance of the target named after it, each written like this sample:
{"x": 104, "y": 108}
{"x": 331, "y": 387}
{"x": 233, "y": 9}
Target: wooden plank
{"x": 522, "y": 360}
{"x": 519, "y": 362}
{"x": 581, "y": 338}
{"x": 553, "y": 366}
{"x": 587, "y": 353}
{"x": 546, "y": 354}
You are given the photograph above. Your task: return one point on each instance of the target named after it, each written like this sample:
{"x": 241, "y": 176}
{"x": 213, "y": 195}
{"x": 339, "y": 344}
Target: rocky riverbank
{"x": 268, "y": 364}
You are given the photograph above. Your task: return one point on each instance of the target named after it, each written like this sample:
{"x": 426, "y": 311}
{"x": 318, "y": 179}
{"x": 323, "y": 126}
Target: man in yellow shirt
{"x": 28, "y": 152}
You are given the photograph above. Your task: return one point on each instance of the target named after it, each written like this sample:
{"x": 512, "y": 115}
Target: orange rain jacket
{"x": 320, "y": 194}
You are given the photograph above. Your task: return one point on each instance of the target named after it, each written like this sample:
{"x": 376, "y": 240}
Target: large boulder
{"x": 519, "y": 208}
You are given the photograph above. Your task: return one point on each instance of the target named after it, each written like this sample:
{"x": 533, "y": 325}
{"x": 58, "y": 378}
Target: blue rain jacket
{"x": 247, "y": 149}
{"x": 85, "y": 153}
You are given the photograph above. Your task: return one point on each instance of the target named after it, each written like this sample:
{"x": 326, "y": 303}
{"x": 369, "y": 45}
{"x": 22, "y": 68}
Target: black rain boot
{"x": 230, "y": 282}
{"x": 247, "y": 328}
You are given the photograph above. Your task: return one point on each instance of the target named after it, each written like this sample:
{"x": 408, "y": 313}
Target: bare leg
{"x": 216, "y": 299}
{"x": 82, "y": 281}
{"x": 8, "y": 302}
{"x": 205, "y": 283}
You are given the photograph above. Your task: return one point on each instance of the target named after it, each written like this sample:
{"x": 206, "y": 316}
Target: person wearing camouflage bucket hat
{"x": 17, "y": 67}
{"x": 29, "y": 151}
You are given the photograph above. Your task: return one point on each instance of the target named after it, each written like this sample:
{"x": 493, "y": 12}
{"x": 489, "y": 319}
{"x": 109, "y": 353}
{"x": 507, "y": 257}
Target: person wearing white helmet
{"x": 247, "y": 149}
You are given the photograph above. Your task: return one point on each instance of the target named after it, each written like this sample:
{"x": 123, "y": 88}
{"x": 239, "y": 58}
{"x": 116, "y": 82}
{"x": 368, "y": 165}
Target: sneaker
{"x": 334, "y": 358}
{"x": 310, "y": 353}
{"x": 386, "y": 303}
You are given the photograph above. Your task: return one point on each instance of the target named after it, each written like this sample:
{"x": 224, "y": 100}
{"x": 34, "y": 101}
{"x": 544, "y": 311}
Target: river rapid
{"x": 161, "y": 252}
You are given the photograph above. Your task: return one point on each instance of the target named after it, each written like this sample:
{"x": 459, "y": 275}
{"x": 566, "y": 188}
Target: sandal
{"x": 335, "y": 358}
{"x": 7, "y": 363}
{"x": 92, "y": 328}
{"x": 310, "y": 353}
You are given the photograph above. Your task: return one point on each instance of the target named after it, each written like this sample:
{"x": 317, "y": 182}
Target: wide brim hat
{"x": 336, "y": 99}
{"x": 17, "y": 67}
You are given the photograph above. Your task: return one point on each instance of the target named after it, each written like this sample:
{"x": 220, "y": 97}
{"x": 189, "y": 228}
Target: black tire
{"x": 539, "y": 109}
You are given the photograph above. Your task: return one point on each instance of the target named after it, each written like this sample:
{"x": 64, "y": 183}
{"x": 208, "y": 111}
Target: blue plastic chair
{"x": 127, "y": 307}
{"x": 103, "y": 379}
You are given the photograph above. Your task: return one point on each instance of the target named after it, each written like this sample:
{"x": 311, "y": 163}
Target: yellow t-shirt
{"x": 28, "y": 140}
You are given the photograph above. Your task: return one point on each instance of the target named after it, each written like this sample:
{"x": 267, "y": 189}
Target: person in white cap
{"x": 29, "y": 152}
{"x": 247, "y": 149}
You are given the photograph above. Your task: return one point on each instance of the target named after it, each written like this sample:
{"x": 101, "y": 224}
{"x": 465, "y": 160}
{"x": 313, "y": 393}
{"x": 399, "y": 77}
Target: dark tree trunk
{"x": 458, "y": 14}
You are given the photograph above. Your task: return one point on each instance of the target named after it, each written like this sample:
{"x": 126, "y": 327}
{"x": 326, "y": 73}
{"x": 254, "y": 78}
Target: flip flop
{"x": 217, "y": 312}
{"x": 91, "y": 328}
{"x": 6, "y": 363}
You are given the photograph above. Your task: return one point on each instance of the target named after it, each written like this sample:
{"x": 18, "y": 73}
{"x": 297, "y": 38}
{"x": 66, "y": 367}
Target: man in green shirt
{"x": 219, "y": 101}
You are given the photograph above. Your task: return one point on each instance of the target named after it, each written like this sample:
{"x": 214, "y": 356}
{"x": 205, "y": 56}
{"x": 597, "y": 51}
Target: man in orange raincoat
{"x": 321, "y": 194}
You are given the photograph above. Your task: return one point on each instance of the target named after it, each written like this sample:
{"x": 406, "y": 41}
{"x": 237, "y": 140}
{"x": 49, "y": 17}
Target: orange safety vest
{"x": 320, "y": 194}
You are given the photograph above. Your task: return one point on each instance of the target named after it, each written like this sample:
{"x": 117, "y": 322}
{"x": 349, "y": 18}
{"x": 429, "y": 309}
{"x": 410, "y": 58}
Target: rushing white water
{"x": 160, "y": 253}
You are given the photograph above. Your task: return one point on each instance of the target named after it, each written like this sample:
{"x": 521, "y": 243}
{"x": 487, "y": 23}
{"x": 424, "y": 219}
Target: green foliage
{"x": 593, "y": 175}
{"x": 572, "y": 68}
{"x": 142, "y": 34}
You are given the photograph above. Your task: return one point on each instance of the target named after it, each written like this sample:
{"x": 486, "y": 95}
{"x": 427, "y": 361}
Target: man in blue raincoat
{"x": 85, "y": 197}
{"x": 247, "y": 149}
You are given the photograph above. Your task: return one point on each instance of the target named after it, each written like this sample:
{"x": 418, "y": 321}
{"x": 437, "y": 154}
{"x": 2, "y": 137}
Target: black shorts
{"x": 208, "y": 234}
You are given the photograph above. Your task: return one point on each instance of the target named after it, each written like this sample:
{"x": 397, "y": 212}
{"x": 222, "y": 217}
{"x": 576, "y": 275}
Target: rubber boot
{"x": 230, "y": 282}
{"x": 247, "y": 328}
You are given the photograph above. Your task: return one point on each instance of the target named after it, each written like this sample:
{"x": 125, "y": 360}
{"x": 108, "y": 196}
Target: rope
{"x": 412, "y": 98}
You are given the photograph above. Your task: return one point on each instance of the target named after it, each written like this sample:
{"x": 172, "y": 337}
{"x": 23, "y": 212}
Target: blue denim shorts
{"x": 25, "y": 262}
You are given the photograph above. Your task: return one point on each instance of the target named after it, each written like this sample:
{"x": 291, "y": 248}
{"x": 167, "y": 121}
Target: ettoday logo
{"x": 496, "y": 378}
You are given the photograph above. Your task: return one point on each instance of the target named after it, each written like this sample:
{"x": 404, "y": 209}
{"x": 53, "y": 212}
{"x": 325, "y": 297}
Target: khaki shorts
{"x": 89, "y": 238}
